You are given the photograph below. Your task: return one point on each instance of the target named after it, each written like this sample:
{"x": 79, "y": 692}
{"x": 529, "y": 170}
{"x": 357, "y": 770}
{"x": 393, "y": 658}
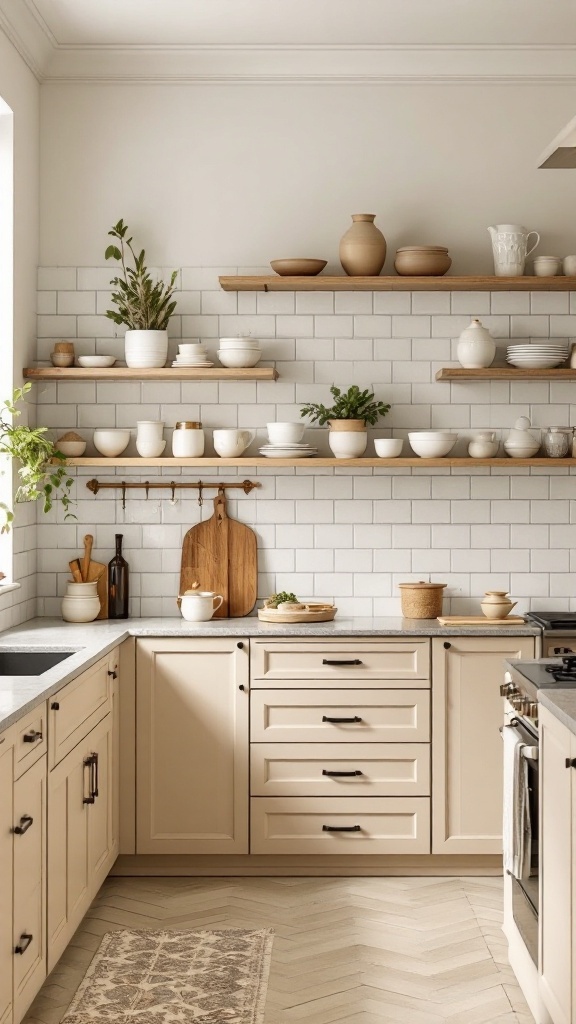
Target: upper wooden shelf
{"x": 342, "y": 283}
{"x": 165, "y": 373}
{"x": 314, "y": 463}
{"x": 458, "y": 373}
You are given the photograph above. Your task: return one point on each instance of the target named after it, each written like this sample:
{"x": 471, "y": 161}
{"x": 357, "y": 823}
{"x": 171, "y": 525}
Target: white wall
{"x": 237, "y": 175}
{"x": 20, "y": 90}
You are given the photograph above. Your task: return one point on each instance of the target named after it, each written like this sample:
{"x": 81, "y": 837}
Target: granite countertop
{"x": 91, "y": 641}
{"x": 562, "y": 704}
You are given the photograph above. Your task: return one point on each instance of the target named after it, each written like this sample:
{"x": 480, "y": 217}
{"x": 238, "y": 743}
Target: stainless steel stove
{"x": 558, "y": 631}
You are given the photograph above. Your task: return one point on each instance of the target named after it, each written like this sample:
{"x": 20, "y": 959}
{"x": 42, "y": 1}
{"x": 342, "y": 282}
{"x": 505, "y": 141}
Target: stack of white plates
{"x": 192, "y": 354}
{"x": 539, "y": 356}
{"x": 288, "y": 450}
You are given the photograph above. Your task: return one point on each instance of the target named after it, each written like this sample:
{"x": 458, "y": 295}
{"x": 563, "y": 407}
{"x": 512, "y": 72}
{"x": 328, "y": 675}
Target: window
{"x": 6, "y": 307}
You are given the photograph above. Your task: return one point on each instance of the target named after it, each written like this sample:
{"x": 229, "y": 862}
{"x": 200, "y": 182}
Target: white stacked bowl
{"x": 239, "y": 352}
{"x": 432, "y": 444}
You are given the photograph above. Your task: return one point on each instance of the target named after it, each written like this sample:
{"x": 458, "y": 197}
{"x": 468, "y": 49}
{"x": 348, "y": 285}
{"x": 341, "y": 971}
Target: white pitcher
{"x": 510, "y": 248}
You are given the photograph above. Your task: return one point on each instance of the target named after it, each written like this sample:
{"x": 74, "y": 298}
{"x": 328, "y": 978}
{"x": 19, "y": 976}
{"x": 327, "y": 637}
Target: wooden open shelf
{"x": 342, "y": 283}
{"x": 165, "y": 373}
{"x": 458, "y": 373}
{"x": 375, "y": 463}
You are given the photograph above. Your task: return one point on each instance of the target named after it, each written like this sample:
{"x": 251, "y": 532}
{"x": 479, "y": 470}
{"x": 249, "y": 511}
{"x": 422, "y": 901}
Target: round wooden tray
{"x": 325, "y": 614}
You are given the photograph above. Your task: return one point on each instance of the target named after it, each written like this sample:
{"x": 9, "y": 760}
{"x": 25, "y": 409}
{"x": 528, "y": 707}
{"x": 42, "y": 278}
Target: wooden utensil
{"x": 220, "y": 555}
{"x": 88, "y": 542}
{"x": 76, "y": 570}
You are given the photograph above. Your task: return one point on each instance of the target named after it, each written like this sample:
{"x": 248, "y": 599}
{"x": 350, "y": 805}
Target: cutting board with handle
{"x": 220, "y": 555}
{"x": 480, "y": 620}
{"x": 90, "y": 572}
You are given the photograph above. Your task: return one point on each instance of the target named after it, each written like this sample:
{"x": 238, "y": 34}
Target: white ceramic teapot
{"x": 199, "y": 605}
{"x": 510, "y": 248}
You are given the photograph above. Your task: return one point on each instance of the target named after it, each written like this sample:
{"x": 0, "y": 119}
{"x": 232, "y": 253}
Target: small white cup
{"x": 149, "y": 430}
{"x": 292, "y": 433}
{"x": 388, "y": 447}
{"x": 547, "y": 266}
{"x": 569, "y": 266}
{"x": 231, "y": 443}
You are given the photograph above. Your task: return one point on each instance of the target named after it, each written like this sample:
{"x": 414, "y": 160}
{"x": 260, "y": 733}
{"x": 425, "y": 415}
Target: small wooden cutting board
{"x": 479, "y": 620}
{"x": 221, "y": 555}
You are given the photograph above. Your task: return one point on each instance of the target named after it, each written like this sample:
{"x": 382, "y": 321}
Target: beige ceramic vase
{"x": 363, "y": 247}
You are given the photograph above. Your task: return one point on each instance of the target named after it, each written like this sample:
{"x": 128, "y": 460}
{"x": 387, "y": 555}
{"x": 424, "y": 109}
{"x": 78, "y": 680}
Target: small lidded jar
{"x": 188, "y": 440}
{"x": 557, "y": 442}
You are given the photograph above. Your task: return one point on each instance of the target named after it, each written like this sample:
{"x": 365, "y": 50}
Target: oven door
{"x": 525, "y": 890}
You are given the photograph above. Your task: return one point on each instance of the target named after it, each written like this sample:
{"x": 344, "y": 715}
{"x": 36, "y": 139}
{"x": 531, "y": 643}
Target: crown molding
{"x": 315, "y": 64}
{"x": 322, "y": 65}
{"x": 21, "y": 25}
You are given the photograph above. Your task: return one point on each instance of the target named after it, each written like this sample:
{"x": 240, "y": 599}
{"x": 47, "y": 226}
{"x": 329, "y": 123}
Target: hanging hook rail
{"x": 218, "y": 485}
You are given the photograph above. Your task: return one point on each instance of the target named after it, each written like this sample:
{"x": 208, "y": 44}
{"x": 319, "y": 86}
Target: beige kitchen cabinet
{"x": 192, "y": 746}
{"x": 80, "y": 705}
{"x": 467, "y": 748}
{"x": 557, "y": 857}
{"x": 22, "y": 868}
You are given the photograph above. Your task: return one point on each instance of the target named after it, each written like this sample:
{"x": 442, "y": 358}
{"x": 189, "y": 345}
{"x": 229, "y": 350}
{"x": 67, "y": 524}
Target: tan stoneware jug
{"x": 363, "y": 247}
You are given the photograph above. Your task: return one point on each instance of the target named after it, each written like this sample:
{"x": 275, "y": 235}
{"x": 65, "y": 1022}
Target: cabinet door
{"x": 29, "y": 886}
{"x": 6, "y": 892}
{"x": 557, "y": 745}
{"x": 192, "y": 746}
{"x": 467, "y": 748}
{"x": 69, "y": 890}
{"x": 102, "y": 837}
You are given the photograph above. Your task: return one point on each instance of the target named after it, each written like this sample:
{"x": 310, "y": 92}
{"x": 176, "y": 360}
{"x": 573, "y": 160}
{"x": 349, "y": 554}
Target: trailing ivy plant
{"x": 142, "y": 303}
{"x": 40, "y": 478}
{"x": 350, "y": 405}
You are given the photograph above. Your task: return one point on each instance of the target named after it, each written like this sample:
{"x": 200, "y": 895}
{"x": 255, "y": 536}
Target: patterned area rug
{"x": 173, "y": 977}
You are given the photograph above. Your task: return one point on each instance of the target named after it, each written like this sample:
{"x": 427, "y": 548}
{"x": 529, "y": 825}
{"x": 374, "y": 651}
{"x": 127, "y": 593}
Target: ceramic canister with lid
{"x": 188, "y": 440}
{"x": 476, "y": 347}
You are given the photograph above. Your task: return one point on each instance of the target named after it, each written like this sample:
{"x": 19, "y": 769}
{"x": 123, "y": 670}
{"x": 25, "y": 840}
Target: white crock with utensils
{"x": 510, "y": 248}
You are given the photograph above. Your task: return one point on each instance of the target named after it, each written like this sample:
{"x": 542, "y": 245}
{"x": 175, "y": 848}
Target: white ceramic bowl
{"x": 245, "y": 342}
{"x": 285, "y": 432}
{"x": 150, "y": 449}
{"x": 96, "y": 361}
{"x": 521, "y": 451}
{"x": 435, "y": 447}
{"x": 71, "y": 449}
{"x": 388, "y": 447}
{"x": 238, "y": 358}
{"x": 111, "y": 442}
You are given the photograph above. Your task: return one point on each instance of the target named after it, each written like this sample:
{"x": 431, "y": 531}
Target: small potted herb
{"x": 347, "y": 419}
{"x": 142, "y": 304}
{"x": 42, "y": 470}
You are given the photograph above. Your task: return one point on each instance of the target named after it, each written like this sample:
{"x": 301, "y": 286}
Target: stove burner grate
{"x": 565, "y": 672}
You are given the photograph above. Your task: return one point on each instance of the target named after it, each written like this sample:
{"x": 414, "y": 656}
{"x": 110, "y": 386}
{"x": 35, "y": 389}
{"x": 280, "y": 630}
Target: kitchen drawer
{"x": 31, "y": 740}
{"x": 380, "y": 769}
{"x": 336, "y": 662}
{"x": 298, "y": 716}
{"x": 79, "y": 706}
{"x": 297, "y": 825}
{"x": 29, "y": 876}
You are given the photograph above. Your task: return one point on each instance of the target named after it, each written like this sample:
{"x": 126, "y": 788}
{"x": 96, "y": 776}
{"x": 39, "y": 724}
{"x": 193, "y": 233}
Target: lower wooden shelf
{"x": 374, "y": 463}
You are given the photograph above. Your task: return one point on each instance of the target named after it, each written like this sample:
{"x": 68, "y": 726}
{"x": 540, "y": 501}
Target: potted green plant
{"x": 144, "y": 306}
{"x": 347, "y": 419}
{"x": 42, "y": 469}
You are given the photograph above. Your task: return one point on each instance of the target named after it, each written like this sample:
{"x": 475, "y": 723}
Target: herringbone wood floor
{"x": 352, "y": 951}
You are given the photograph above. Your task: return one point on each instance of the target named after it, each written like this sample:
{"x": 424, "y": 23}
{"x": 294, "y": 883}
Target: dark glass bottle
{"x": 118, "y": 584}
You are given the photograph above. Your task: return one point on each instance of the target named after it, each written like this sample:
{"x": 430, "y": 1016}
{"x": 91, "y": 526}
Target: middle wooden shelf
{"x": 458, "y": 374}
{"x": 312, "y": 463}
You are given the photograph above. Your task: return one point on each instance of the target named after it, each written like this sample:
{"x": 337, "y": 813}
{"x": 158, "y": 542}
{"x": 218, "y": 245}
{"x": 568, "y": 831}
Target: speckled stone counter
{"x": 91, "y": 641}
{"x": 562, "y": 704}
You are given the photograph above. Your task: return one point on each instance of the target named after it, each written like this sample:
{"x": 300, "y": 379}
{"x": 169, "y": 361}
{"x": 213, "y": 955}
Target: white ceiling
{"x": 313, "y": 22}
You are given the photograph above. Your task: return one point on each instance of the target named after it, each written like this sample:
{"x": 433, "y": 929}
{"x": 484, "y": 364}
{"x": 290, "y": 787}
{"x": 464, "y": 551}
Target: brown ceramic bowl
{"x": 422, "y": 264}
{"x": 297, "y": 267}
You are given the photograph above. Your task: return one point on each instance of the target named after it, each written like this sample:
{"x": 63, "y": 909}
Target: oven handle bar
{"x": 528, "y": 751}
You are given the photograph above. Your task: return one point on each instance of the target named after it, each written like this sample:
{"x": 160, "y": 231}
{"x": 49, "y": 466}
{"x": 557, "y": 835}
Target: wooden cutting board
{"x": 479, "y": 620}
{"x": 275, "y": 615}
{"x": 220, "y": 555}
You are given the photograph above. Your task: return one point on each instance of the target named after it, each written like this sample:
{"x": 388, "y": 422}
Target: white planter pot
{"x": 348, "y": 444}
{"x": 476, "y": 347}
{"x": 146, "y": 350}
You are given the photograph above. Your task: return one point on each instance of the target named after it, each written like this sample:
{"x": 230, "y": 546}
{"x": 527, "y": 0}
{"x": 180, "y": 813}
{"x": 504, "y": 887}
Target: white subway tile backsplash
{"x": 475, "y": 304}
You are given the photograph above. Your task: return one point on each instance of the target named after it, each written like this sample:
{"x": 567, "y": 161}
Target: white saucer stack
{"x": 540, "y": 356}
{"x": 192, "y": 354}
{"x": 285, "y": 442}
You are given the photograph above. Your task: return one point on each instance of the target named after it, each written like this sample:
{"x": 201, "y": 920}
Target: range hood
{"x": 561, "y": 153}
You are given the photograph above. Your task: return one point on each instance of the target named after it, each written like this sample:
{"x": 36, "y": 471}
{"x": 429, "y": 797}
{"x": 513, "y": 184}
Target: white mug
{"x": 199, "y": 606}
{"x": 231, "y": 443}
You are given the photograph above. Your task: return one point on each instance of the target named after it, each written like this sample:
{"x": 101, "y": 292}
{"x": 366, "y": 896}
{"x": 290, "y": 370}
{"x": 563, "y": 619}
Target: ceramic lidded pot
{"x": 476, "y": 347}
{"x": 496, "y": 604}
{"x": 363, "y": 247}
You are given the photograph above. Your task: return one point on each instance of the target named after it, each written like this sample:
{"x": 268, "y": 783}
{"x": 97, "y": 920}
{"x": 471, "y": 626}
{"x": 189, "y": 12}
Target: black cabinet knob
{"x": 571, "y": 762}
{"x": 447, "y": 645}
{"x": 55, "y": 705}
{"x": 240, "y": 645}
{"x": 241, "y": 687}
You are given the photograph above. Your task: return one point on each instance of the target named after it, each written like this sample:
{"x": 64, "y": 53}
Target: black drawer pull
{"x": 341, "y": 828}
{"x": 89, "y": 763}
{"x": 25, "y": 823}
{"x": 55, "y": 705}
{"x": 335, "y": 661}
{"x": 340, "y": 721}
{"x": 25, "y": 940}
{"x": 113, "y": 674}
{"x": 341, "y": 775}
{"x": 571, "y": 762}
{"x": 31, "y": 737}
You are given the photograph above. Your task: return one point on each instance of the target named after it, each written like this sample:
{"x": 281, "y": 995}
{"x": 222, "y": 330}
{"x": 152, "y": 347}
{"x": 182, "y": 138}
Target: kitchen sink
{"x": 30, "y": 663}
